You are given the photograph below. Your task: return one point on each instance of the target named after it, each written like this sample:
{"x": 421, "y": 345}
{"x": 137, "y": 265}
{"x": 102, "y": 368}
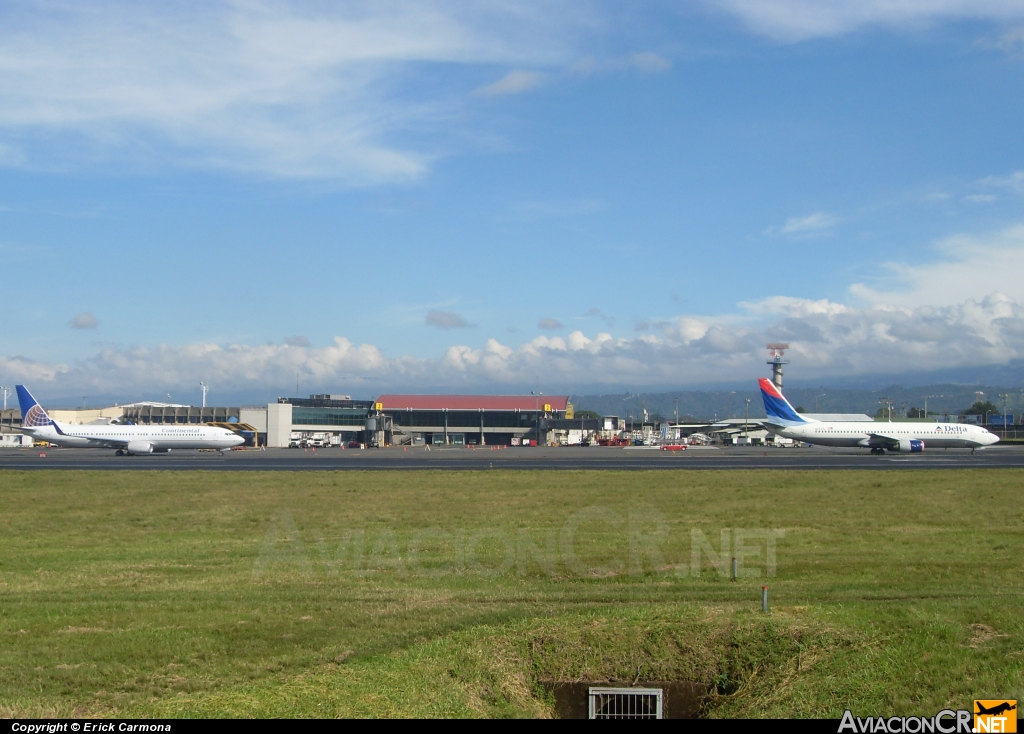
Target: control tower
{"x": 776, "y": 362}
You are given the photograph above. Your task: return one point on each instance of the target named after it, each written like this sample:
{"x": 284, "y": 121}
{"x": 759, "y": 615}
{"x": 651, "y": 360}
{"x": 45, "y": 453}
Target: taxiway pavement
{"x": 333, "y": 459}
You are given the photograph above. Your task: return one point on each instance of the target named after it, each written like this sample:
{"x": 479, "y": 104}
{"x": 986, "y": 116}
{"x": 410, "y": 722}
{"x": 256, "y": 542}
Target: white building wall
{"x": 279, "y": 425}
{"x": 255, "y": 417}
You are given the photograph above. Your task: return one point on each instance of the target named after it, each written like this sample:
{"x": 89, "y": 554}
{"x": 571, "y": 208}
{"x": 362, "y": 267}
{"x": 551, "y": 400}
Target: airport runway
{"x": 511, "y": 458}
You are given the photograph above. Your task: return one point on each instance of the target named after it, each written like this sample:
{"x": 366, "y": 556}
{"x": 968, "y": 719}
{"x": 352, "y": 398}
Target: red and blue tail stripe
{"x": 776, "y": 406}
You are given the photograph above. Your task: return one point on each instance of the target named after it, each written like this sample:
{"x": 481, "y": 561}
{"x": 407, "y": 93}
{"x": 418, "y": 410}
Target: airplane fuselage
{"x": 864, "y": 434}
{"x": 141, "y": 438}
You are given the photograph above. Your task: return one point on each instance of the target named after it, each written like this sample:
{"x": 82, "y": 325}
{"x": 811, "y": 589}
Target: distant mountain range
{"x": 950, "y": 391}
{"x": 704, "y": 404}
{"x": 953, "y": 390}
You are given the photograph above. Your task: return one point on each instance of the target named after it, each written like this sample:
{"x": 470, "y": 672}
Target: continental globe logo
{"x": 995, "y": 716}
{"x": 35, "y": 417}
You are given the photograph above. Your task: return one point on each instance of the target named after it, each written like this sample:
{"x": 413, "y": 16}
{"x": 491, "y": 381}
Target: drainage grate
{"x": 625, "y": 703}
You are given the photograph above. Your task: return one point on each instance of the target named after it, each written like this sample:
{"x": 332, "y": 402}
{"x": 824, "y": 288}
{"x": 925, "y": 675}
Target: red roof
{"x": 473, "y": 402}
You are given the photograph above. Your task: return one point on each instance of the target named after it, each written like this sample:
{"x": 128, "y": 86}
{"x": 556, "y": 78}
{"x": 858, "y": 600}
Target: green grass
{"x": 181, "y": 594}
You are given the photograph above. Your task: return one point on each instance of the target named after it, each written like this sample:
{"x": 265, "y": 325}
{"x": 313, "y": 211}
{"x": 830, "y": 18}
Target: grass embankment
{"x": 455, "y": 593}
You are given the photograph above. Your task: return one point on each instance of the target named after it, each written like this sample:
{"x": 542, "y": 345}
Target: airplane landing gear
{"x": 119, "y": 452}
{"x": 877, "y": 451}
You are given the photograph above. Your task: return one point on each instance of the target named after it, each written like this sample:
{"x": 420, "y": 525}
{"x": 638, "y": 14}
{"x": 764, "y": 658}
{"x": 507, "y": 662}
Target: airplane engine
{"x": 911, "y": 446}
{"x": 139, "y": 447}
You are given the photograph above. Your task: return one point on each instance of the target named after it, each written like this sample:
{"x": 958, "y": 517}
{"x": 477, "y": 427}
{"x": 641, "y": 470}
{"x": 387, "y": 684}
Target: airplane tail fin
{"x": 777, "y": 407}
{"x": 32, "y": 413}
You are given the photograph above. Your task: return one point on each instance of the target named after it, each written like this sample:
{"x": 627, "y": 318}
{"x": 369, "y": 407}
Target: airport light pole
{"x": 1004, "y": 396}
{"x": 746, "y": 412}
{"x": 883, "y": 404}
{"x": 536, "y": 411}
{"x": 205, "y": 387}
{"x": 926, "y": 403}
{"x": 816, "y": 397}
{"x": 7, "y": 391}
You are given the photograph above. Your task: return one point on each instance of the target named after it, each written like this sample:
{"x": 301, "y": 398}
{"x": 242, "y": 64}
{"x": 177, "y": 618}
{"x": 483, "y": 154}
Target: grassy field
{"x": 455, "y": 594}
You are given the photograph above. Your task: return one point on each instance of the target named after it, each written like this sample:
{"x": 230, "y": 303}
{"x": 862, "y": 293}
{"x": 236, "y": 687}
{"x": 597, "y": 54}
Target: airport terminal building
{"x": 457, "y": 420}
{"x": 329, "y": 415}
{"x": 485, "y": 420}
{"x": 331, "y": 419}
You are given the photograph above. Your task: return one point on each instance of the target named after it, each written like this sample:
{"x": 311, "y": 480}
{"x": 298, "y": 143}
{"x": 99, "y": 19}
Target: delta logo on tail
{"x": 777, "y": 407}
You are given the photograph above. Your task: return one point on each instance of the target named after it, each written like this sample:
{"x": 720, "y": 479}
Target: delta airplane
{"x": 879, "y": 437}
{"x": 127, "y": 439}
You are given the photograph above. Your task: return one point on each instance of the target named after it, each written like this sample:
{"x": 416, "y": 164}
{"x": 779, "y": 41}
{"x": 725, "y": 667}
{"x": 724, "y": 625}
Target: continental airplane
{"x": 127, "y": 439}
{"x": 910, "y": 437}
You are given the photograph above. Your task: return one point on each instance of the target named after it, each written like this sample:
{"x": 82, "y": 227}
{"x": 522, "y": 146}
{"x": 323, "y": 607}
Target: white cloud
{"x": 550, "y": 324}
{"x": 24, "y": 370}
{"x": 816, "y": 224}
{"x": 84, "y": 321}
{"x": 446, "y": 320}
{"x": 284, "y": 89}
{"x": 595, "y": 312}
{"x": 515, "y": 82}
{"x": 10, "y": 156}
{"x": 964, "y": 309}
{"x": 650, "y": 63}
{"x": 646, "y": 62}
{"x": 318, "y": 90}
{"x": 795, "y": 307}
{"x": 797, "y": 20}
{"x": 969, "y": 267}
{"x": 556, "y": 208}
{"x": 828, "y": 339}
{"x": 1012, "y": 40}
{"x": 885, "y": 338}
{"x": 979, "y": 198}
{"x": 1014, "y": 182}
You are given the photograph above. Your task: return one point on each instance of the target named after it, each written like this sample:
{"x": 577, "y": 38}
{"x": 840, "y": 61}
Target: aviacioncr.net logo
{"x": 944, "y": 722}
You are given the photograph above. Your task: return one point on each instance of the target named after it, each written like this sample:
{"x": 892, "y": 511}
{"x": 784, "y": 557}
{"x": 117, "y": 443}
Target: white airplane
{"x": 127, "y": 439}
{"x": 880, "y": 437}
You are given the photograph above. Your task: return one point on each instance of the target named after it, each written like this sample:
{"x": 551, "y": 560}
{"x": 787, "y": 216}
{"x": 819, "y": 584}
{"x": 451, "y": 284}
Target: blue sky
{"x": 561, "y": 195}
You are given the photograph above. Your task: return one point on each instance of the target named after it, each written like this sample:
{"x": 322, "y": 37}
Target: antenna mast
{"x": 776, "y": 350}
